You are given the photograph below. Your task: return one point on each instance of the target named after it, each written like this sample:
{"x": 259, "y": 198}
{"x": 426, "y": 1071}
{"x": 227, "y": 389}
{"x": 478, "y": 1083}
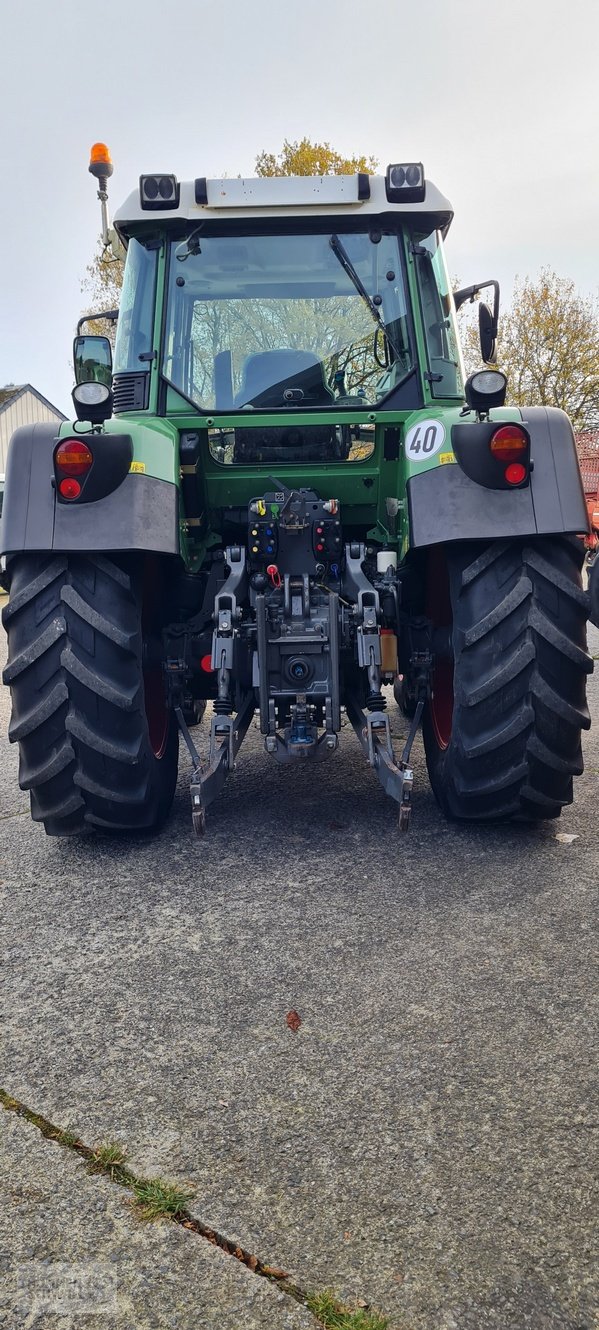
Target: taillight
{"x": 508, "y": 444}
{"x": 73, "y": 458}
{"x": 515, "y": 473}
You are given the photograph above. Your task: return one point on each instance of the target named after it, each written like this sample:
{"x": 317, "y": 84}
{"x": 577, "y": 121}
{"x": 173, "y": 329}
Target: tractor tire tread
{"x": 78, "y": 708}
{"x": 520, "y": 669}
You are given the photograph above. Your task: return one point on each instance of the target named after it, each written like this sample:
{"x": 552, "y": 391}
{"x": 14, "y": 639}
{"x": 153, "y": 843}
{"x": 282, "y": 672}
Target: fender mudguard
{"x": 445, "y": 504}
{"x": 141, "y": 513}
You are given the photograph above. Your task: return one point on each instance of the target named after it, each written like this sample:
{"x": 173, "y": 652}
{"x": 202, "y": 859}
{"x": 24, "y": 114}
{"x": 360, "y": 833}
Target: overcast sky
{"x": 499, "y": 102}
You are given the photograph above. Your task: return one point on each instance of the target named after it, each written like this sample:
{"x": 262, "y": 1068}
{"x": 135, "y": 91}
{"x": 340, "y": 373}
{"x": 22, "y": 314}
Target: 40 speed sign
{"x": 424, "y": 440}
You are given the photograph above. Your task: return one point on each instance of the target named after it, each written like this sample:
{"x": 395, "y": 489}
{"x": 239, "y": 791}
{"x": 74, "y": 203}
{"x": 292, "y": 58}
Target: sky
{"x": 499, "y": 102}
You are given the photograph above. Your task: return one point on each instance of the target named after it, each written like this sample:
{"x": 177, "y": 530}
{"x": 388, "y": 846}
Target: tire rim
{"x": 157, "y": 713}
{"x": 438, "y": 610}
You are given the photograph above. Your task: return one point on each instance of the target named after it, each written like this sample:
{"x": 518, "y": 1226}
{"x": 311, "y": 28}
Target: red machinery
{"x": 587, "y": 443}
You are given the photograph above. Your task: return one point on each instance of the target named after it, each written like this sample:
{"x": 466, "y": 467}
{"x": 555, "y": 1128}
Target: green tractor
{"x": 281, "y": 497}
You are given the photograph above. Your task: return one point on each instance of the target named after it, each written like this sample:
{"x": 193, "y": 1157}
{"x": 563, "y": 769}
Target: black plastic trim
{"x": 131, "y": 391}
{"x": 391, "y": 442}
{"x": 363, "y": 186}
{"x": 201, "y": 190}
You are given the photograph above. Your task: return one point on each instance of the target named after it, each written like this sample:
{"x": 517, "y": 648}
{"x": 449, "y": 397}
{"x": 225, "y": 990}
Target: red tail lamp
{"x": 509, "y": 443}
{"x": 515, "y": 473}
{"x": 73, "y": 458}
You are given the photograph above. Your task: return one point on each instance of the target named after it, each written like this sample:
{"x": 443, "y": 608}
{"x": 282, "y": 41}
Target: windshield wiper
{"x": 341, "y": 253}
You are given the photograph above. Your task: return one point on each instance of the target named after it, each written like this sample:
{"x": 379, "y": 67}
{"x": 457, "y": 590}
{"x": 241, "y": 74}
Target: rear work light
{"x": 509, "y": 443}
{"x": 405, "y": 183}
{"x": 158, "y": 192}
{"x": 73, "y": 458}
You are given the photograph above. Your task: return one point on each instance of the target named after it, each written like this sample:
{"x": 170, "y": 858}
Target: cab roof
{"x": 275, "y": 197}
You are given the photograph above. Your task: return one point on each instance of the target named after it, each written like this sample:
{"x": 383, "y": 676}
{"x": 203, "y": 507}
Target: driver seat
{"x": 267, "y": 375}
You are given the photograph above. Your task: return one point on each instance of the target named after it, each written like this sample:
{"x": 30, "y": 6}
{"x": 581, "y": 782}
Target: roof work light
{"x": 158, "y": 191}
{"x": 405, "y": 183}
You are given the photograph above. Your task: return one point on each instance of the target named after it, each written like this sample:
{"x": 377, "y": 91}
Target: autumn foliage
{"x": 307, "y": 158}
{"x": 548, "y": 346}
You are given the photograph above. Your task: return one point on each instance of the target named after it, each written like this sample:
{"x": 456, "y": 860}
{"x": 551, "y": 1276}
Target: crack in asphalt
{"x": 122, "y": 1176}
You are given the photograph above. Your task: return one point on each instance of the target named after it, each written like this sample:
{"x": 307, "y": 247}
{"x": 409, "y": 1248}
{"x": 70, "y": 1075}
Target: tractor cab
{"x": 287, "y": 296}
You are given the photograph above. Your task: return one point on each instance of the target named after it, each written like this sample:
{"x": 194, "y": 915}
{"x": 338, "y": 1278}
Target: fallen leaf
{"x": 293, "y": 1020}
{"x": 361, "y": 1302}
{"x": 252, "y": 1263}
{"x": 565, "y": 837}
{"x": 275, "y": 1272}
{"x": 347, "y": 1235}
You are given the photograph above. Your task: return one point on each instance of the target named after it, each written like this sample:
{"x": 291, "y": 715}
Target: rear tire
{"x": 502, "y": 730}
{"x": 98, "y": 746}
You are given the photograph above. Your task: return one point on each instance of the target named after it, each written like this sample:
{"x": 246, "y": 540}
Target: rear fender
{"x": 444, "y": 504}
{"x": 140, "y": 513}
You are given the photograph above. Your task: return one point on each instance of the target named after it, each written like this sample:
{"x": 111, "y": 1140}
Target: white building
{"x": 21, "y": 404}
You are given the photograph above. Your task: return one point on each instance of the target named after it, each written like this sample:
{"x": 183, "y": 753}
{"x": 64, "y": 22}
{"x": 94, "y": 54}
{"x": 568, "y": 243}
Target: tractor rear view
{"x": 281, "y": 497}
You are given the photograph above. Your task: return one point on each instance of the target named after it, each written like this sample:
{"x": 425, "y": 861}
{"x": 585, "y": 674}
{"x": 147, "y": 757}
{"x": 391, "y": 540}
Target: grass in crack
{"x": 334, "y": 1316}
{"x": 109, "y": 1158}
{"x": 68, "y": 1138}
{"x": 155, "y": 1199}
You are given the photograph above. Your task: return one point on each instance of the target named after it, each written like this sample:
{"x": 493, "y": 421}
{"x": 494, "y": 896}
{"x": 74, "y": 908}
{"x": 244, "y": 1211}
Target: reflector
{"x": 69, "y": 488}
{"x": 515, "y": 473}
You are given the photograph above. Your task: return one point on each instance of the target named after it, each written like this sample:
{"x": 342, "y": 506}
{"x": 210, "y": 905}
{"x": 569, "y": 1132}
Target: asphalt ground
{"x": 424, "y": 1142}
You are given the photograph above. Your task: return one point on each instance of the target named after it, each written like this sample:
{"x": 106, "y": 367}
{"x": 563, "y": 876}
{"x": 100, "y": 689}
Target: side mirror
{"x": 487, "y": 319}
{"x": 487, "y": 333}
{"x": 92, "y": 359}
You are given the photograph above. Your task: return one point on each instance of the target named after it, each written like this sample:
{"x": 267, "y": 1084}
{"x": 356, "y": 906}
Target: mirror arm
{"x": 110, "y": 314}
{"x": 466, "y": 293}
{"x": 469, "y": 292}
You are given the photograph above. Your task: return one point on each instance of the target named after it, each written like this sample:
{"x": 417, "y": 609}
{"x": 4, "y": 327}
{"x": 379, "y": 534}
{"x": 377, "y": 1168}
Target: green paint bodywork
{"x": 362, "y": 487}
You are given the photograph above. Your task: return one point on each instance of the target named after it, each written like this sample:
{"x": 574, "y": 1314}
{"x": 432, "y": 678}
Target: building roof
{"x": 10, "y": 393}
